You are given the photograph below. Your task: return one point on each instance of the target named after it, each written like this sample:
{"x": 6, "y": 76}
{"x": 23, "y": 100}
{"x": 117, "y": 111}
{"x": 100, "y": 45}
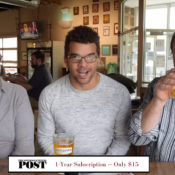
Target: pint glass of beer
{"x": 63, "y": 144}
{"x": 173, "y": 93}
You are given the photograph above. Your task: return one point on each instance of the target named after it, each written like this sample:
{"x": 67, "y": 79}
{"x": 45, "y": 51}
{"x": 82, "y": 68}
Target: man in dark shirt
{"x": 40, "y": 78}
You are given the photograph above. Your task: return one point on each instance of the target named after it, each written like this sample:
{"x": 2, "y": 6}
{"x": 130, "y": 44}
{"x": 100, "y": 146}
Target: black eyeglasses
{"x": 77, "y": 58}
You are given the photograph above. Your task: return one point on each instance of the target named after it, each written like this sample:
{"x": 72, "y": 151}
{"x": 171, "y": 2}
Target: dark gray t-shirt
{"x": 39, "y": 80}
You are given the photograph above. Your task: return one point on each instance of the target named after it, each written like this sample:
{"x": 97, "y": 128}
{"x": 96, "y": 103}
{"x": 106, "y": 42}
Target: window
{"x": 129, "y": 40}
{"x": 8, "y": 50}
{"x": 158, "y": 58}
{"x": 152, "y": 14}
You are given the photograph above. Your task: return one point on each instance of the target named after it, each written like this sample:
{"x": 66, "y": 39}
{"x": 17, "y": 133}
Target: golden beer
{"x": 173, "y": 93}
{"x": 63, "y": 144}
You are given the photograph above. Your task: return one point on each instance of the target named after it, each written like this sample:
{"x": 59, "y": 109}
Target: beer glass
{"x": 173, "y": 93}
{"x": 63, "y": 144}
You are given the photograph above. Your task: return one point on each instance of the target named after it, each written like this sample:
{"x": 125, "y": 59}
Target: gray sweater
{"x": 16, "y": 121}
{"x": 97, "y": 118}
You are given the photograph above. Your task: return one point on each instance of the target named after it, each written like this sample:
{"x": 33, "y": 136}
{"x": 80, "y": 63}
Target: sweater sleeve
{"x": 136, "y": 135}
{"x": 46, "y": 124}
{"x": 120, "y": 143}
{"x": 24, "y": 125}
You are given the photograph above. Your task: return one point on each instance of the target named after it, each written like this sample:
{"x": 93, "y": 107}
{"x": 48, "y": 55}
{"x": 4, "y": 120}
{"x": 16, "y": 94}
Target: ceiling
{"x": 11, "y": 4}
{"x": 5, "y": 7}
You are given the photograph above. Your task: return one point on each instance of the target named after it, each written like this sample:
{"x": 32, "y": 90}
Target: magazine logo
{"x": 32, "y": 164}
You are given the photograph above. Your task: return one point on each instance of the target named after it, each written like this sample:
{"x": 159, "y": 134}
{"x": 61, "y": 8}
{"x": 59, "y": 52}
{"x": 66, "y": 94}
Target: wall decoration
{"x": 95, "y": 8}
{"x": 116, "y": 5}
{"x": 95, "y": 19}
{"x": 95, "y": 0}
{"x": 86, "y": 20}
{"x": 116, "y": 28}
{"x": 76, "y": 10}
{"x": 85, "y": 9}
{"x": 106, "y": 50}
{"x": 106, "y": 6}
{"x": 95, "y": 29}
{"x": 106, "y": 19}
{"x": 114, "y": 49}
{"x": 106, "y": 30}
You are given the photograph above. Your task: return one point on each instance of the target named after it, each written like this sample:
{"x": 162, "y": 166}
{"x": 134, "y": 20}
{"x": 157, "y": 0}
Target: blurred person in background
{"x": 39, "y": 80}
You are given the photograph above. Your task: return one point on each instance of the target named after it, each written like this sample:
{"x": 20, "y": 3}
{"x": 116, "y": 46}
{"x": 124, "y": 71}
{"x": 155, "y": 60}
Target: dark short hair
{"x": 82, "y": 34}
{"x": 172, "y": 41}
{"x": 39, "y": 55}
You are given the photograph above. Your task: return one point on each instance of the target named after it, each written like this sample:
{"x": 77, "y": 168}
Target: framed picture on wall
{"x": 114, "y": 49}
{"x": 86, "y": 20}
{"x": 106, "y": 50}
{"x": 95, "y": 8}
{"x": 76, "y": 10}
{"x": 106, "y": 30}
{"x": 95, "y": 0}
{"x": 106, "y": 19}
{"x": 116, "y": 28}
{"x": 95, "y": 29}
{"x": 95, "y": 19}
{"x": 116, "y": 5}
{"x": 85, "y": 9}
{"x": 106, "y": 6}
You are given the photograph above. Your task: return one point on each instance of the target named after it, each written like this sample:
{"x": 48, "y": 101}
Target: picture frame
{"x": 106, "y": 30}
{"x": 116, "y": 5}
{"x": 106, "y": 18}
{"x": 116, "y": 28}
{"x": 106, "y": 6}
{"x": 76, "y": 10}
{"x": 96, "y": 19}
{"x": 114, "y": 49}
{"x": 95, "y": 29}
{"x": 85, "y": 9}
{"x": 106, "y": 50}
{"x": 95, "y": 8}
{"x": 95, "y": 0}
{"x": 86, "y": 20}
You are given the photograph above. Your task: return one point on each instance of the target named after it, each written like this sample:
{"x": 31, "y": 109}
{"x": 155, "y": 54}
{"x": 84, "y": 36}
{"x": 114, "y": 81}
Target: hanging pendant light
{"x": 65, "y": 19}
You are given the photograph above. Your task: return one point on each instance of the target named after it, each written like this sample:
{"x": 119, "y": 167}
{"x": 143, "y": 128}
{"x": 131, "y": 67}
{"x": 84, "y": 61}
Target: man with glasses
{"x": 89, "y": 105}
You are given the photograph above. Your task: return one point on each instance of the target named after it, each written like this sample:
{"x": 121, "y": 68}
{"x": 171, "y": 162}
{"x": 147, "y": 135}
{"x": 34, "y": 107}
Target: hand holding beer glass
{"x": 63, "y": 144}
{"x": 165, "y": 87}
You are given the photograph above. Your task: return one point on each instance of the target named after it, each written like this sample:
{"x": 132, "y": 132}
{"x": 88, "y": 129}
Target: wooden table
{"x": 160, "y": 168}
{"x": 155, "y": 169}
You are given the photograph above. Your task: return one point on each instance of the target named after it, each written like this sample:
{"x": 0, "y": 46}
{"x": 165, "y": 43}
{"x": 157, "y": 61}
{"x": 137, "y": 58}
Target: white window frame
{"x": 9, "y": 61}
